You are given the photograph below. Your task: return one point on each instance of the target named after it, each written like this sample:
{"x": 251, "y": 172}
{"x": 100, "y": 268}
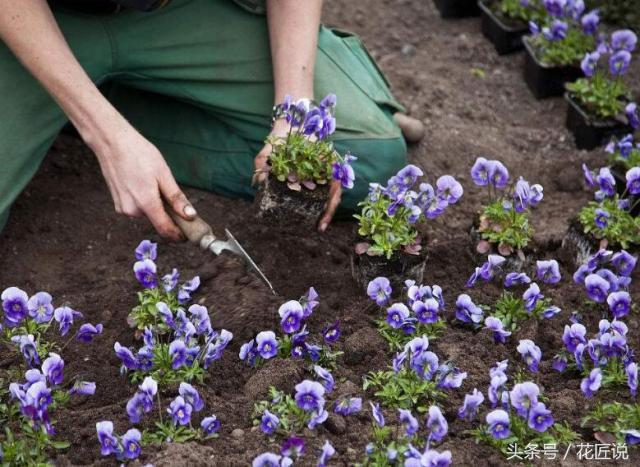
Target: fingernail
{"x": 189, "y": 210}
{"x": 323, "y": 227}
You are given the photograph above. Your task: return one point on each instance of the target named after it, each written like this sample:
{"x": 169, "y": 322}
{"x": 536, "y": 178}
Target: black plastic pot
{"x": 589, "y": 133}
{"x": 278, "y": 205}
{"x": 506, "y": 36}
{"x": 546, "y": 80}
{"x": 398, "y": 269}
{"x": 457, "y": 8}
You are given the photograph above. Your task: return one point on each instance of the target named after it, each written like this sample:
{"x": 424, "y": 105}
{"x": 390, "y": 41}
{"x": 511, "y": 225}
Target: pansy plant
{"x": 30, "y": 410}
{"x": 305, "y": 158}
{"x": 174, "y": 425}
{"x": 620, "y": 419}
{"x": 608, "y": 218}
{"x": 184, "y": 353}
{"x": 28, "y": 325}
{"x": 565, "y": 34}
{"x": 416, "y": 379}
{"x": 422, "y": 312}
{"x": 390, "y": 216}
{"x": 605, "y": 359}
{"x": 518, "y": 416}
{"x": 603, "y": 92}
{"x": 504, "y": 221}
{"x": 286, "y": 414}
{"x": 412, "y": 444}
{"x": 156, "y": 289}
{"x": 294, "y": 341}
{"x": 521, "y": 299}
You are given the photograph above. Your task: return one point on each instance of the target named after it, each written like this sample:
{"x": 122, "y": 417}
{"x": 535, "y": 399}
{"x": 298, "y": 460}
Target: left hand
{"x": 281, "y": 129}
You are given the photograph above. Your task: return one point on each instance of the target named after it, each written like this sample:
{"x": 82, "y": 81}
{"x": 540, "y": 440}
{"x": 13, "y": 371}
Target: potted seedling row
{"x": 555, "y": 48}
{"x": 599, "y": 101}
{"x": 504, "y": 22}
{"x": 502, "y": 225}
{"x": 457, "y": 8}
{"x": 389, "y": 243}
{"x": 303, "y": 167}
{"x": 607, "y": 221}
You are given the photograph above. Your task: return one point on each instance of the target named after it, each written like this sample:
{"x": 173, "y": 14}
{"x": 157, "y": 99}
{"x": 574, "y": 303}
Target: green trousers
{"x": 196, "y": 79}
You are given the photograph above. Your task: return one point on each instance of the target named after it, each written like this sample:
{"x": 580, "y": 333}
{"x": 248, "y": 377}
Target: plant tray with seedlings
{"x": 503, "y": 32}
{"x": 457, "y": 8}
{"x": 599, "y": 104}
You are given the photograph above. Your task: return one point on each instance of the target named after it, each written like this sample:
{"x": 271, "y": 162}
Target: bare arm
{"x": 293, "y": 33}
{"x": 134, "y": 169}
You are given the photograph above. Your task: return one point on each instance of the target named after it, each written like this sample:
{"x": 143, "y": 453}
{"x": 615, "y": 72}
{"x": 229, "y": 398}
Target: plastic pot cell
{"x": 457, "y": 8}
{"x": 546, "y": 80}
{"x": 588, "y": 132}
{"x": 401, "y": 267}
{"x": 278, "y": 205}
{"x": 505, "y": 34}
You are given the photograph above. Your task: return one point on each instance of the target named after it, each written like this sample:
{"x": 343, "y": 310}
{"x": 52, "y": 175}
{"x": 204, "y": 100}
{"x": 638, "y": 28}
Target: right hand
{"x": 139, "y": 179}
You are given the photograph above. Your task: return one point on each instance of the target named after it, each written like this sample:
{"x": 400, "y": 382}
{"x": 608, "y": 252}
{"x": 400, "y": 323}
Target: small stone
{"x": 352, "y": 453}
{"x": 237, "y": 433}
{"x": 408, "y": 50}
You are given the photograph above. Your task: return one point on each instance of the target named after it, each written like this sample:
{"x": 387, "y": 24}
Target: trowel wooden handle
{"x": 194, "y": 230}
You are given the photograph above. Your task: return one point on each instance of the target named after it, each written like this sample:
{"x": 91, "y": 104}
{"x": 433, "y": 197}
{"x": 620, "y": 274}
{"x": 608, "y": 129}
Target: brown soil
{"x": 65, "y": 238}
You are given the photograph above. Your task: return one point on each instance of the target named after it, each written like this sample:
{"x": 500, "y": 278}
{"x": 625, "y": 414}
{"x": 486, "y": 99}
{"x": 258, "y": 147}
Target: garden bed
{"x": 65, "y": 238}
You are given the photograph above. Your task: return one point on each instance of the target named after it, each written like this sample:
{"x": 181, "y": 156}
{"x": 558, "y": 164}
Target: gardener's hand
{"x": 281, "y": 129}
{"x": 335, "y": 196}
{"x": 139, "y": 178}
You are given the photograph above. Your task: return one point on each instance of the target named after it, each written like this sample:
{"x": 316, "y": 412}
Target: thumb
{"x": 177, "y": 199}
{"x": 260, "y": 163}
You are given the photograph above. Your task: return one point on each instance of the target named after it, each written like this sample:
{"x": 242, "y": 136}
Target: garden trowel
{"x": 199, "y": 232}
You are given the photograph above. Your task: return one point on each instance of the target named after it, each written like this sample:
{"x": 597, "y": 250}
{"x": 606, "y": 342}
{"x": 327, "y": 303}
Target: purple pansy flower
{"x": 591, "y": 383}
{"x": 343, "y": 171}
{"x": 631, "y": 111}
{"x": 531, "y": 297}
{"x": 449, "y": 189}
{"x": 292, "y": 447}
{"x": 210, "y": 425}
{"x": 146, "y": 273}
{"x": 531, "y": 354}
{"x": 379, "y": 289}
{"x": 88, "y": 331}
{"x": 467, "y": 311}
{"x": 146, "y": 250}
{"x": 589, "y": 63}
{"x": 559, "y": 363}
{"x": 619, "y": 303}
{"x": 601, "y": 218}
{"x": 331, "y": 333}
{"x": 495, "y": 325}
{"x": 291, "y": 315}
{"x": 178, "y": 353}
{"x": 65, "y": 316}
{"x": 540, "y": 418}
{"x": 83, "y": 388}
{"x": 499, "y": 426}
{"x": 28, "y": 348}
{"x": 53, "y": 369}
{"x": 633, "y": 180}
{"x": 377, "y": 414}
{"x": 269, "y": 422}
{"x": 590, "y": 22}
{"x": 327, "y": 452}
{"x": 470, "y": 405}
{"x": 597, "y": 287}
{"x": 348, "y": 406}
{"x": 437, "y": 424}
{"x": 632, "y": 378}
{"x": 516, "y": 278}
{"x": 310, "y": 395}
{"x": 409, "y": 421}
{"x": 624, "y": 39}
{"x": 180, "y": 411}
{"x": 624, "y": 262}
{"x": 573, "y": 336}
{"x": 108, "y": 442}
{"x": 523, "y": 396}
{"x": 397, "y": 314}
{"x": 40, "y": 307}
{"x": 131, "y": 443}
{"x": 548, "y": 271}
{"x": 266, "y": 344}
{"x": 15, "y": 305}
